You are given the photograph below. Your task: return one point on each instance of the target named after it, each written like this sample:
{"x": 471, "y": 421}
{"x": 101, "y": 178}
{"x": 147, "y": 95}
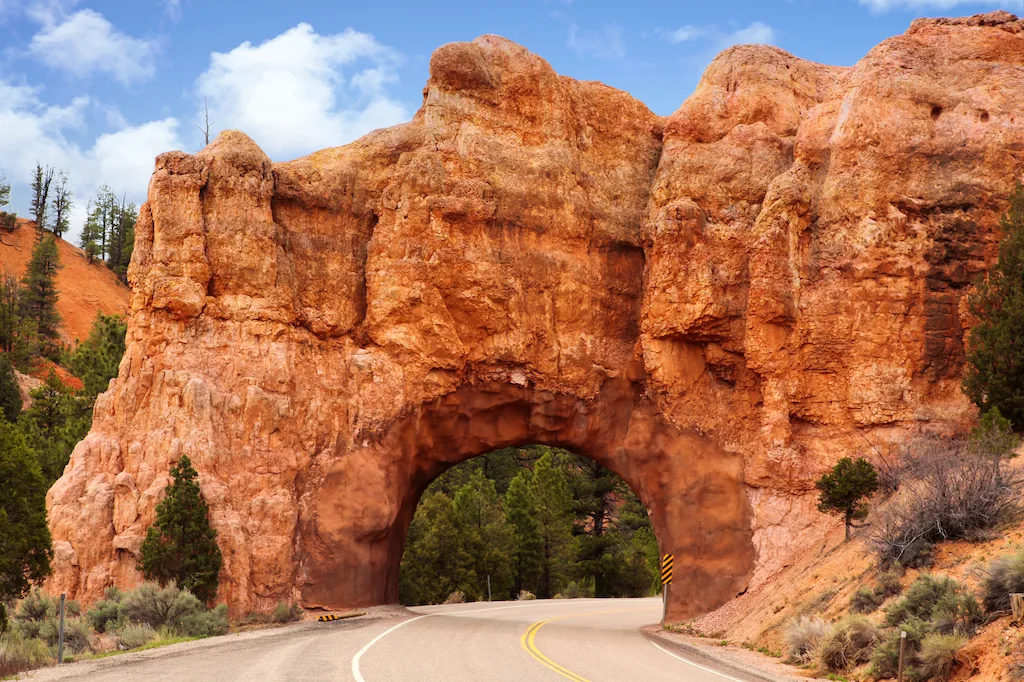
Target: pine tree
{"x": 17, "y": 333}
{"x": 521, "y": 515}
{"x": 39, "y": 293}
{"x": 485, "y": 536}
{"x": 25, "y": 545}
{"x": 122, "y": 239}
{"x": 41, "y": 180}
{"x": 10, "y": 392}
{"x": 435, "y": 562}
{"x": 181, "y": 545}
{"x": 5, "y": 191}
{"x": 55, "y": 422}
{"x": 96, "y": 360}
{"x": 554, "y": 519}
{"x": 844, "y": 488}
{"x": 61, "y": 205}
{"x": 994, "y": 374}
{"x": 89, "y": 239}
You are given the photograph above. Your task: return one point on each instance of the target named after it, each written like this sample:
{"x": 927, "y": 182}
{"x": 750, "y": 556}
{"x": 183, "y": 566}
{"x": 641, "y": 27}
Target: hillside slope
{"x": 84, "y": 289}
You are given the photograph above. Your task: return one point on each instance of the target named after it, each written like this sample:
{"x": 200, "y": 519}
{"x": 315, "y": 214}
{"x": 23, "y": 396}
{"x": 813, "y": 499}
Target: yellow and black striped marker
{"x": 329, "y": 617}
{"x": 666, "y": 568}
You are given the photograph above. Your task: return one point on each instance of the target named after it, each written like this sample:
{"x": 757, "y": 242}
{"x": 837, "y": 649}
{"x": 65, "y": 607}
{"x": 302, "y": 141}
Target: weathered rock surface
{"x": 716, "y": 305}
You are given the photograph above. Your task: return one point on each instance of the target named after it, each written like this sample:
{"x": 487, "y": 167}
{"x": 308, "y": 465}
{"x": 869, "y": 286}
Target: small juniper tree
{"x": 181, "y": 545}
{"x": 844, "y": 489}
{"x": 994, "y": 374}
{"x": 10, "y": 392}
{"x": 25, "y": 545}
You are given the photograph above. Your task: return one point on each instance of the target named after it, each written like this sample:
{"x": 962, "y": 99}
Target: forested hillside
{"x": 539, "y": 521}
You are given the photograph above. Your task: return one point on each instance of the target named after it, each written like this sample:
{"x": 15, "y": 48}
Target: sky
{"x": 98, "y": 88}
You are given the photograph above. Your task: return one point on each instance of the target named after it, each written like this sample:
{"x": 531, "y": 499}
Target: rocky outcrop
{"x": 716, "y": 305}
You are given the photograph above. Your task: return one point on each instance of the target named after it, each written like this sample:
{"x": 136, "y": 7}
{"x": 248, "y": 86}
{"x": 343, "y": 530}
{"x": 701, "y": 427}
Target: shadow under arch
{"x": 354, "y": 528}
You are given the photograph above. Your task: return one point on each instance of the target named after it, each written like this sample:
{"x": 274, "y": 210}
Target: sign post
{"x": 60, "y": 634}
{"x": 666, "y": 579}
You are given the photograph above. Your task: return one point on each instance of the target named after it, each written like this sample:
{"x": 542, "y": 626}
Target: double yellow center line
{"x": 530, "y": 645}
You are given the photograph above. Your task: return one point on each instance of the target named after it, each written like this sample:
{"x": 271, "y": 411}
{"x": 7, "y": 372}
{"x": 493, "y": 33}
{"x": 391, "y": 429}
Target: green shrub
{"x": 149, "y": 603}
{"x": 849, "y": 644}
{"x": 77, "y": 635}
{"x": 889, "y": 583}
{"x": 134, "y": 635}
{"x": 285, "y": 613}
{"x": 19, "y": 653}
{"x": 939, "y": 655}
{"x": 1003, "y": 576}
{"x": 105, "y": 615}
{"x": 943, "y": 602}
{"x": 36, "y": 606}
{"x": 866, "y": 600}
{"x": 581, "y": 589}
{"x": 885, "y": 659}
{"x": 803, "y": 636}
{"x": 204, "y": 623}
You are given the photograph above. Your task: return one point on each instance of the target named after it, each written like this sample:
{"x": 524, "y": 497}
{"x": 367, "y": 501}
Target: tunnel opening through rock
{"x": 356, "y": 532}
{"x": 528, "y": 522}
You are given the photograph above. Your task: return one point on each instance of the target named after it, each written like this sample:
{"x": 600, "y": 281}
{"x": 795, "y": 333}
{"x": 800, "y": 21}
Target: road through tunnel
{"x": 357, "y": 525}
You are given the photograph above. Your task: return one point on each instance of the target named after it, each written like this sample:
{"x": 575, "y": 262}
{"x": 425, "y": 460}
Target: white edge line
{"x": 687, "y": 661}
{"x": 355, "y": 659}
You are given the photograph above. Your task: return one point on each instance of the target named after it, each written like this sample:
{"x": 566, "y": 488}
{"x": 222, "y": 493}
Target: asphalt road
{"x": 584, "y": 640}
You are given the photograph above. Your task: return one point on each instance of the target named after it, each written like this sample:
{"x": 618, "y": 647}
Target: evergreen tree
{"x": 181, "y": 545}
{"x": 89, "y": 239}
{"x": 25, "y": 545}
{"x": 844, "y": 488}
{"x": 41, "y": 180}
{"x": 54, "y": 424}
{"x": 95, "y": 361}
{"x": 61, "y": 205}
{"x": 554, "y": 506}
{"x": 435, "y": 562}
{"x": 121, "y": 238}
{"x": 17, "y": 333}
{"x": 485, "y": 536}
{"x": 5, "y": 191}
{"x": 10, "y": 393}
{"x": 521, "y": 515}
{"x": 39, "y": 293}
{"x": 994, "y": 374}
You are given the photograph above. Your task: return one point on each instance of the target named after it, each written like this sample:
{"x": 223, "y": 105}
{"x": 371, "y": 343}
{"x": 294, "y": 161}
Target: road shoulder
{"x": 726, "y": 660}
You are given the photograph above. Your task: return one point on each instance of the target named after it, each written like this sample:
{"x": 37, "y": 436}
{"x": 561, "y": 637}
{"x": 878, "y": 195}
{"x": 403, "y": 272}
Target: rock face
{"x": 716, "y": 305}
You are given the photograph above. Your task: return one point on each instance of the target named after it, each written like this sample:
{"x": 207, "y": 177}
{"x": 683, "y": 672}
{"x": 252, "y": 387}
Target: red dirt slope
{"x": 84, "y": 289}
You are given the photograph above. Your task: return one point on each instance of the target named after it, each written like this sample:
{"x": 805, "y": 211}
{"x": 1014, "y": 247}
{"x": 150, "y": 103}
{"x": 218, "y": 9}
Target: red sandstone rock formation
{"x": 716, "y": 305}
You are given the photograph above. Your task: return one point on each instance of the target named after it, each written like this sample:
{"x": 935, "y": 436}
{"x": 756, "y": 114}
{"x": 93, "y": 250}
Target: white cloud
{"x": 886, "y": 5}
{"x": 172, "y": 8}
{"x": 86, "y": 43}
{"x": 37, "y": 132}
{"x": 682, "y": 34}
{"x": 602, "y": 43}
{"x": 300, "y": 91}
{"x": 755, "y": 33}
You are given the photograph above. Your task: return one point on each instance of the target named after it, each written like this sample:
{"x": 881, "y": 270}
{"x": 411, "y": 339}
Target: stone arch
{"x": 692, "y": 488}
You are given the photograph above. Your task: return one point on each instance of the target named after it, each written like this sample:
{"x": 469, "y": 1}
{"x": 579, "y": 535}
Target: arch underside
{"x": 692, "y": 488}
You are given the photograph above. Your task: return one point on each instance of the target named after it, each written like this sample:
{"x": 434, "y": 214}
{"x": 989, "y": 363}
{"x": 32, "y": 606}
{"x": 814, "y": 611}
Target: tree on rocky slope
{"x": 41, "y": 180}
{"x": 844, "y": 489}
{"x": 61, "y": 205}
{"x": 95, "y": 361}
{"x": 994, "y": 375}
{"x": 182, "y": 545}
{"x": 25, "y": 545}
{"x": 39, "y": 293}
{"x": 10, "y": 393}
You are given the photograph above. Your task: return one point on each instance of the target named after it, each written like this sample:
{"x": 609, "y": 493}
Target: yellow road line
{"x": 530, "y": 645}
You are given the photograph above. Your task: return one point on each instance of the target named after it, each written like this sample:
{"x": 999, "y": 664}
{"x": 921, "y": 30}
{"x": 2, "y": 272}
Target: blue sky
{"x": 99, "y": 87}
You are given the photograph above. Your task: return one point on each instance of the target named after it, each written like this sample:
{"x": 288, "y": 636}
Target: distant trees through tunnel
{"x": 539, "y": 521}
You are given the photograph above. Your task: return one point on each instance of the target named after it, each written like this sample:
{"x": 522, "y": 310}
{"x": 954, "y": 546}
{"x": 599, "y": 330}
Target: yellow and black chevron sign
{"x": 666, "y": 568}
{"x": 329, "y": 617}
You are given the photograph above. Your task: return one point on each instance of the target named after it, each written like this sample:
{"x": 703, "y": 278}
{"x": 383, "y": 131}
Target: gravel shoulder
{"x": 747, "y": 663}
{"x": 80, "y": 669}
